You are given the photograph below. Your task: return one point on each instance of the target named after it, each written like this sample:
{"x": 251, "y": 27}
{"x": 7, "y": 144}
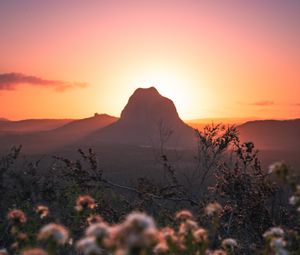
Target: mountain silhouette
{"x": 277, "y": 135}
{"x": 148, "y": 119}
{"x": 78, "y": 129}
{"x": 31, "y": 125}
{"x": 44, "y": 141}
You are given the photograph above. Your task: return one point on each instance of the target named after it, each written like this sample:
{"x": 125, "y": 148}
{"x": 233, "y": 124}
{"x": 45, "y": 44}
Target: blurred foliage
{"x": 227, "y": 172}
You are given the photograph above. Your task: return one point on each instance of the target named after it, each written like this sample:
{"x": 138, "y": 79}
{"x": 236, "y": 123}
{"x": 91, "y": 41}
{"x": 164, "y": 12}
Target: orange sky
{"x": 212, "y": 58}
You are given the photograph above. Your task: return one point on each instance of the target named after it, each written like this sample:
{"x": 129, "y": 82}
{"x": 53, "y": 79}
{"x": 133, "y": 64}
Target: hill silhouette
{"x": 31, "y": 125}
{"x": 148, "y": 119}
{"x": 43, "y": 141}
{"x": 280, "y": 135}
{"x": 78, "y": 129}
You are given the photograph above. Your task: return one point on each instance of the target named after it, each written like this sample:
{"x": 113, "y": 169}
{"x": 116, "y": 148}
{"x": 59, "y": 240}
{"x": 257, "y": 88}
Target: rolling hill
{"x": 44, "y": 141}
{"x": 276, "y": 135}
{"x": 31, "y": 125}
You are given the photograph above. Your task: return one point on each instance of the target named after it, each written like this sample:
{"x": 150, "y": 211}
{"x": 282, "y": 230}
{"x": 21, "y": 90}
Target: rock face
{"x": 148, "y": 119}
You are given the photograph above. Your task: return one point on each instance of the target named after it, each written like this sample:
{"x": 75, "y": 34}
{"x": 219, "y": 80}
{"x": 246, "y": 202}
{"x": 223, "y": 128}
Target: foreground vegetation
{"x": 226, "y": 204}
{"x": 136, "y": 234}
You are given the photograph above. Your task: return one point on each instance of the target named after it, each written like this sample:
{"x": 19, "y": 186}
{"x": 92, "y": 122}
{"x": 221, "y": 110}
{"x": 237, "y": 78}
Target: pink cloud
{"x": 10, "y": 81}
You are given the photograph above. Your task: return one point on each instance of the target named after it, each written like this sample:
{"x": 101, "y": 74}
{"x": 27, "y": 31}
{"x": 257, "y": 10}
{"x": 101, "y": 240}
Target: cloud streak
{"x": 258, "y": 103}
{"x": 10, "y": 81}
{"x": 297, "y": 104}
{"x": 263, "y": 103}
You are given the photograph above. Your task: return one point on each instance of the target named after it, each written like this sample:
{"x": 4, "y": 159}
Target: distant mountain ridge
{"x": 31, "y": 125}
{"x": 65, "y": 135}
{"x": 147, "y": 120}
{"x": 272, "y": 134}
{"x": 201, "y": 123}
{"x": 82, "y": 127}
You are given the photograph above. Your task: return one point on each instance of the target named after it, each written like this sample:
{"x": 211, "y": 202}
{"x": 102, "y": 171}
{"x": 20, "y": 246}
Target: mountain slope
{"x": 272, "y": 134}
{"x": 78, "y": 129}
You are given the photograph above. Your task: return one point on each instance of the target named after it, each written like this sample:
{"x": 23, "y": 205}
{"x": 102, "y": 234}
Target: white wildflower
{"x": 42, "y": 210}
{"x": 17, "y": 216}
{"x": 54, "y": 231}
{"x": 161, "y": 248}
{"x": 98, "y": 230}
{"x": 276, "y": 167}
{"x": 85, "y": 202}
{"x": 188, "y": 227}
{"x": 294, "y": 200}
{"x": 88, "y": 246}
{"x": 273, "y": 232}
{"x": 213, "y": 208}
{"x": 200, "y": 235}
{"x": 229, "y": 243}
{"x": 138, "y": 230}
{"x": 184, "y": 215}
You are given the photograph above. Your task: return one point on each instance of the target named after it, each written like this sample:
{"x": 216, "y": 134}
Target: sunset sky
{"x": 69, "y": 59}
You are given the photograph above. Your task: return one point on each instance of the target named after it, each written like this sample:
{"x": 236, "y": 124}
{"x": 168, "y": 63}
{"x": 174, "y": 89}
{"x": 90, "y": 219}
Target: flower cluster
{"x": 137, "y": 234}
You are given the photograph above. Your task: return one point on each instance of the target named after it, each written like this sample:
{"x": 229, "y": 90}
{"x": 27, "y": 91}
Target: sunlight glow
{"x": 170, "y": 84}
